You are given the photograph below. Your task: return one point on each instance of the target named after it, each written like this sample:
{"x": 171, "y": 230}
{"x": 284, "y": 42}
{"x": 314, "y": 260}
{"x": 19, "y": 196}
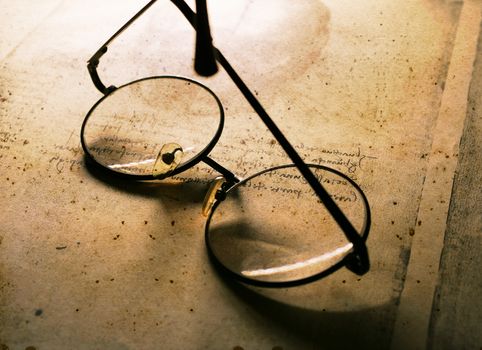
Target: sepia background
{"x": 389, "y": 92}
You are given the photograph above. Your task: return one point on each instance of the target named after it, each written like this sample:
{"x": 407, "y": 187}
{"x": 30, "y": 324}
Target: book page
{"x": 90, "y": 260}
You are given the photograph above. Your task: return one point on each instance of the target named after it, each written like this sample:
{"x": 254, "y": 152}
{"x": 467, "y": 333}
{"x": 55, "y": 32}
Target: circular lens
{"x": 127, "y": 129}
{"x": 272, "y": 227}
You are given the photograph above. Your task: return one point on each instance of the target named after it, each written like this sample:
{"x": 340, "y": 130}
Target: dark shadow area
{"x": 227, "y": 255}
{"x": 315, "y": 329}
{"x": 191, "y": 191}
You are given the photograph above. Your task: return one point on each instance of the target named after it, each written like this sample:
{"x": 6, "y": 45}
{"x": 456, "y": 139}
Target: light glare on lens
{"x": 337, "y": 253}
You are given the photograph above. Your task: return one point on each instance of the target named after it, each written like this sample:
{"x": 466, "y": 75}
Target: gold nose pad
{"x": 168, "y": 158}
{"x": 210, "y": 197}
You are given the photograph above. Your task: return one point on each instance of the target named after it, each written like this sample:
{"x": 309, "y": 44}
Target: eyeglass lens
{"x": 272, "y": 228}
{"x": 127, "y": 129}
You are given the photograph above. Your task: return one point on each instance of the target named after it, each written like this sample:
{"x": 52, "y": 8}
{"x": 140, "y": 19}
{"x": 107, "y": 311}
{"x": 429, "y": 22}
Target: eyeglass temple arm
{"x": 343, "y": 222}
{"x": 359, "y": 262}
{"x": 204, "y": 60}
{"x": 93, "y": 62}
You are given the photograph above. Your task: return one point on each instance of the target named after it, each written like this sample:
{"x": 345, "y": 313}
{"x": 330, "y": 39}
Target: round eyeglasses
{"x": 267, "y": 228}
{"x": 283, "y": 226}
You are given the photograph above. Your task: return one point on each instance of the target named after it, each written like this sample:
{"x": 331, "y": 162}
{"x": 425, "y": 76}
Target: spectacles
{"x": 286, "y": 225}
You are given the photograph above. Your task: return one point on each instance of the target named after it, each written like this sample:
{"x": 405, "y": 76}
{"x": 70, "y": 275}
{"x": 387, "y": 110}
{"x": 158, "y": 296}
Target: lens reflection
{"x": 273, "y": 228}
{"x": 126, "y": 130}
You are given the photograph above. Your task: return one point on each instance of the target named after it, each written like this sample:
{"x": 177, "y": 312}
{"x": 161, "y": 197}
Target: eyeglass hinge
{"x": 358, "y": 261}
{"x": 220, "y": 194}
{"x": 92, "y": 65}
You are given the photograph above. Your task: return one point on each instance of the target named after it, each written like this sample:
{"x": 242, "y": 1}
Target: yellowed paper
{"x": 88, "y": 260}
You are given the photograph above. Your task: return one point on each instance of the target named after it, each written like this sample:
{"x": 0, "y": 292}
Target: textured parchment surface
{"x": 92, "y": 262}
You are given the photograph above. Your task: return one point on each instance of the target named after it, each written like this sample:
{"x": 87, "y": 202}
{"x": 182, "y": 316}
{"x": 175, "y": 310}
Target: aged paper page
{"x": 423, "y": 273}
{"x": 89, "y": 261}
{"x": 456, "y": 300}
